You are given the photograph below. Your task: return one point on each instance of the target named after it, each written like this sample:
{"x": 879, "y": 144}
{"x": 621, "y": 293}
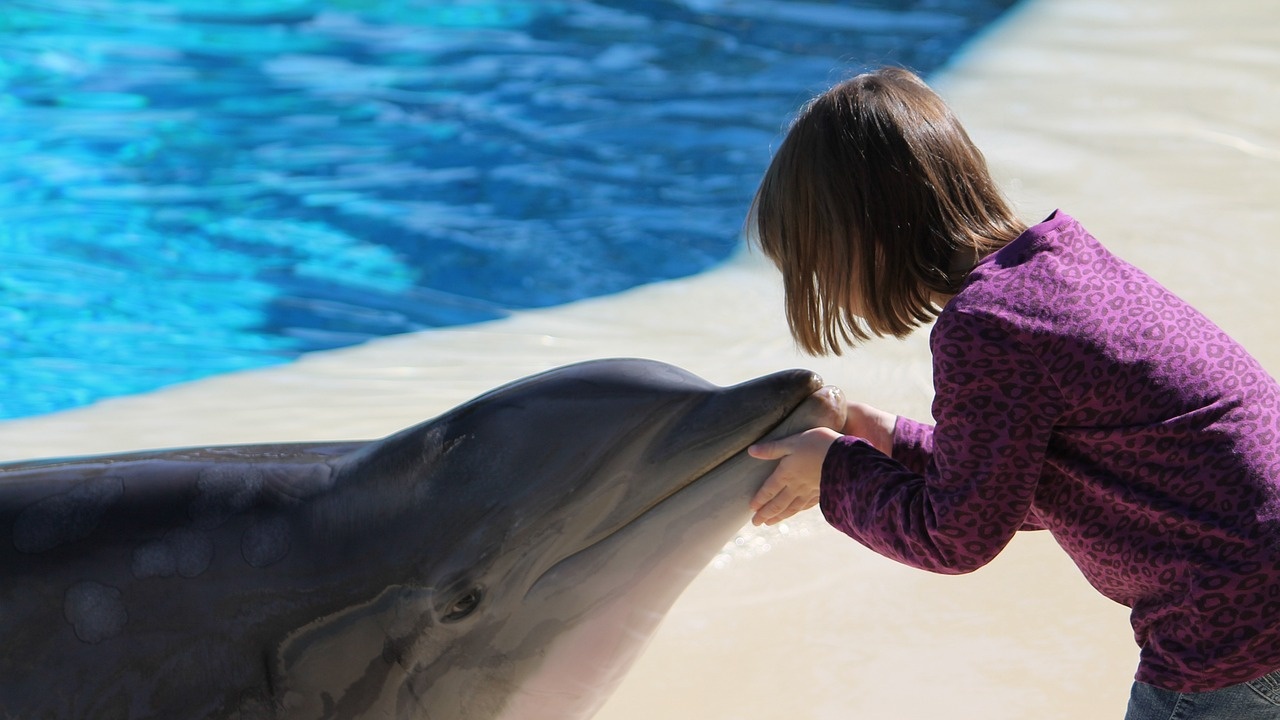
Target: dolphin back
{"x": 125, "y": 579}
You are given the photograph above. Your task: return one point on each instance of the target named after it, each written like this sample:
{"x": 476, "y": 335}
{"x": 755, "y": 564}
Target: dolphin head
{"x": 504, "y": 561}
{"x": 554, "y": 521}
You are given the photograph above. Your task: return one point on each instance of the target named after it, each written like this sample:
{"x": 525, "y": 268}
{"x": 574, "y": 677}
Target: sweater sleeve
{"x": 913, "y": 447}
{"x": 913, "y": 444}
{"x": 953, "y": 495}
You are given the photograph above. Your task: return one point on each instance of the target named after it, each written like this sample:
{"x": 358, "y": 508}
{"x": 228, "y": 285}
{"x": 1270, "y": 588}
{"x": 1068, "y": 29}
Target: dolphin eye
{"x": 464, "y": 605}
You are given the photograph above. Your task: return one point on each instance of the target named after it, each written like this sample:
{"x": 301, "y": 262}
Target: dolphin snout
{"x": 825, "y": 407}
{"x": 781, "y": 393}
{"x": 728, "y": 419}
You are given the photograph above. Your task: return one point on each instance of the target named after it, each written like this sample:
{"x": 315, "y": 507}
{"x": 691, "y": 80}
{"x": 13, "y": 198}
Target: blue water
{"x": 191, "y": 187}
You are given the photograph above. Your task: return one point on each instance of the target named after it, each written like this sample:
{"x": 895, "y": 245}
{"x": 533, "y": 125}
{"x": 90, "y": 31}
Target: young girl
{"x": 1072, "y": 393}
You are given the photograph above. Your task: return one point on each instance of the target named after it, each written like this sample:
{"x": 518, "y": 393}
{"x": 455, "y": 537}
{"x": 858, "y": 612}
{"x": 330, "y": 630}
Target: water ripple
{"x": 189, "y": 187}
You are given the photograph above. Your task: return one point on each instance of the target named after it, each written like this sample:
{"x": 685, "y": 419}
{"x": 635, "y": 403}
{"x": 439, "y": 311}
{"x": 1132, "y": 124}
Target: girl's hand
{"x": 794, "y": 484}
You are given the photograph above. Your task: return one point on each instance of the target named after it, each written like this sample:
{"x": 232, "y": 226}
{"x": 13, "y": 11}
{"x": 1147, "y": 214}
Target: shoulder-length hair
{"x": 875, "y": 206}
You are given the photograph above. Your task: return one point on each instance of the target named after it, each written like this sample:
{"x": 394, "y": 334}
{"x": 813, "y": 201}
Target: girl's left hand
{"x": 795, "y": 483}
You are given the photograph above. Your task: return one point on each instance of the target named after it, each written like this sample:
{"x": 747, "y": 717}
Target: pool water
{"x": 192, "y": 187}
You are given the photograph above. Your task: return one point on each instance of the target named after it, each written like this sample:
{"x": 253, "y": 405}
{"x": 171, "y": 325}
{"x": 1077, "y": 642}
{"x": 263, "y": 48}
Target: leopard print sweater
{"x": 1074, "y": 393}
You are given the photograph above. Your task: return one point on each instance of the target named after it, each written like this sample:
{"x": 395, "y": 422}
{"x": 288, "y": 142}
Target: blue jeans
{"x": 1255, "y": 700}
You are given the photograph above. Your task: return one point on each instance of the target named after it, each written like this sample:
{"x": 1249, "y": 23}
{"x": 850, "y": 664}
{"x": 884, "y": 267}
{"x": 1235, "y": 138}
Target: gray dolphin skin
{"x": 506, "y": 560}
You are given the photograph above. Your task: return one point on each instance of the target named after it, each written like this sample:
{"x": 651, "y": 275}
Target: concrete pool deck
{"x": 1152, "y": 121}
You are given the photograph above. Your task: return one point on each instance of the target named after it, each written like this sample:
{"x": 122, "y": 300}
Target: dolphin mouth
{"x": 604, "y": 535}
{"x": 802, "y": 414}
{"x": 694, "y": 479}
{"x": 790, "y": 417}
{"x": 735, "y": 489}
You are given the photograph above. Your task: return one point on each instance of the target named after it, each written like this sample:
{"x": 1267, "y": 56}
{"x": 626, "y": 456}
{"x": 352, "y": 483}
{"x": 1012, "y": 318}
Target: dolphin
{"x": 506, "y": 560}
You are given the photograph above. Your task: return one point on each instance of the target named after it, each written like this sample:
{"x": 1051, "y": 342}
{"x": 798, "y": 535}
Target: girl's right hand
{"x": 795, "y": 485}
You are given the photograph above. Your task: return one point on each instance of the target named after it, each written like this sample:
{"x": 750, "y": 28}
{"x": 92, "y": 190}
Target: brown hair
{"x": 873, "y": 198}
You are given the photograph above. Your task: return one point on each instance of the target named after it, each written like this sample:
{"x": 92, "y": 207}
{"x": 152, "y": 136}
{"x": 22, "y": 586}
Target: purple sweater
{"x": 1073, "y": 393}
